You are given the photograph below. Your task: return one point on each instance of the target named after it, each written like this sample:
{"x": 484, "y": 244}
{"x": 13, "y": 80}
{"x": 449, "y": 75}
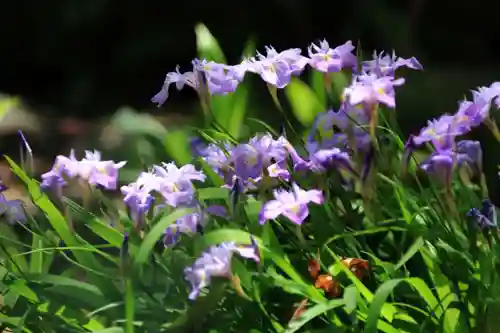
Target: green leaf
{"x": 303, "y": 101}
{"x": 385, "y": 290}
{"x": 414, "y": 249}
{"x": 9, "y": 241}
{"x": 340, "y": 80}
{"x": 130, "y": 122}
{"x": 111, "y": 330}
{"x": 7, "y": 104}
{"x": 243, "y": 237}
{"x": 454, "y": 322}
{"x": 265, "y": 125}
{"x": 207, "y": 46}
{"x": 236, "y": 114}
{"x": 156, "y": 233}
{"x": 81, "y": 291}
{"x": 176, "y": 143}
{"x": 351, "y": 295}
{"x": 229, "y": 235}
{"x": 213, "y": 193}
{"x": 20, "y": 288}
{"x": 55, "y": 217}
{"x": 313, "y": 312}
{"x": 214, "y": 177}
{"x": 36, "y": 258}
{"x": 388, "y": 311}
{"x": 318, "y": 86}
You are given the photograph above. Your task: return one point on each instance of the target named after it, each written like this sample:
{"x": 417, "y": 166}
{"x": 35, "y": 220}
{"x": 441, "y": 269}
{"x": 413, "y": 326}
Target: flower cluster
{"x": 216, "y": 262}
{"x": 486, "y": 217}
{"x": 374, "y": 83}
{"x": 443, "y": 131}
{"x": 90, "y": 169}
{"x": 271, "y": 166}
{"x": 175, "y": 188}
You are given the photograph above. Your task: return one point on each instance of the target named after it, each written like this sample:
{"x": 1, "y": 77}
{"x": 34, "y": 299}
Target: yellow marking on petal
{"x": 102, "y": 170}
{"x": 295, "y": 209}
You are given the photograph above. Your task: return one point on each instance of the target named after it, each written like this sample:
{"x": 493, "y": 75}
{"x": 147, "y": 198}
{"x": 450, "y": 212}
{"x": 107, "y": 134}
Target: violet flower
{"x": 486, "y": 217}
{"x": 325, "y": 159}
{"x": 470, "y": 114}
{"x": 251, "y": 159}
{"x": 90, "y": 168}
{"x": 471, "y": 152}
{"x": 98, "y": 172}
{"x": 436, "y": 129}
{"x": 13, "y": 210}
{"x": 277, "y": 68}
{"x": 279, "y": 170}
{"x": 291, "y": 204}
{"x": 446, "y": 157}
{"x": 386, "y": 65}
{"x": 216, "y": 262}
{"x": 369, "y": 89}
{"x": 138, "y": 199}
{"x": 63, "y": 167}
{"x": 187, "y": 78}
{"x": 175, "y": 184}
{"x": 190, "y": 223}
{"x": 351, "y": 121}
{"x": 488, "y": 94}
{"x": 221, "y": 79}
{"x": 327, "y": 60}
{"x": 218, "y": 158}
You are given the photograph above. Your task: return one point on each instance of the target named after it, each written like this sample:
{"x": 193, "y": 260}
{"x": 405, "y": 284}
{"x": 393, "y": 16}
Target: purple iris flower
{"x": 327, "y": 60}
{"x": 63, "y": 167}
{"x": 139, "y": 200}
{"x": 352, "y": 121}
{"x": 177, "y": 78}
{"x": 471, "y": 152}
{"x": 216, "y": 262}
{"x": 446, "y": 157}
{"x": 98, "y": 172}
{"x": 471, "y": 114}
{"x": 279, "y": 170}
{"x": 13, "y": 210}
{"x": 252, "y": 158}
{"x": 488, "y": 94}
{"x": 386, "y": 65}
{"x": 291, "y": 204}
{"x": 90, "y": 168}
{"x": 436, "y": 129}
{"x": 325, "y": 159}
{"x": 191, "y": 223}
{"x": 221, "y": 79}
{"x": 218, "y": 158}
{"x": 370, "y": 89}
{"x": 486, "y": 217}
{"x": 277, "y": 68}
{"x": 175, "y": 184}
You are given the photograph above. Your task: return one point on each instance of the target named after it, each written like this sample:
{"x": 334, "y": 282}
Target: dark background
{"x": 87, "y": 57}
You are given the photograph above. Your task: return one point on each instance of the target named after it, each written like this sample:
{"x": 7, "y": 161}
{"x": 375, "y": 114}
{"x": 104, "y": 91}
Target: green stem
{"x": 129, "y": 306}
